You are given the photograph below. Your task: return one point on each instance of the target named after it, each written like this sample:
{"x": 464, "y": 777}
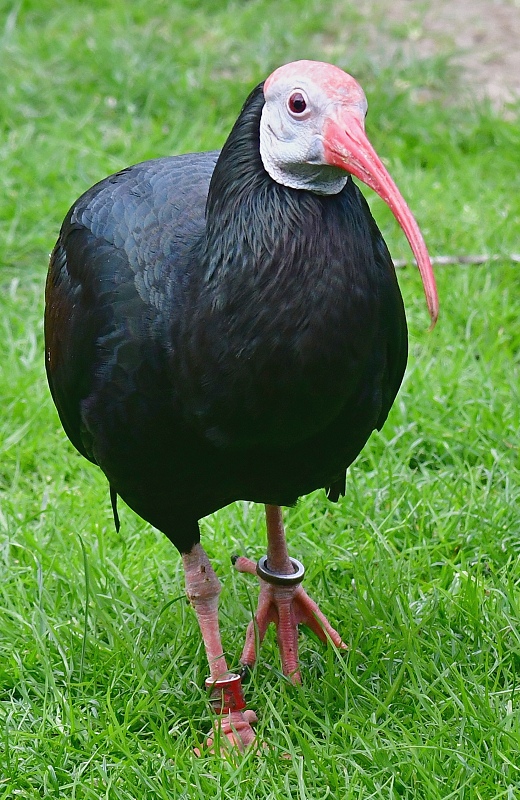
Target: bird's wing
{"x": 392, "y": 353}
{"x": 115, "y": 276}
{"x": 394, "y": 337}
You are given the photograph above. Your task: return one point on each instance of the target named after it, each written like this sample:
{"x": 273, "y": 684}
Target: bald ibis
{"x": 225, "y": 326}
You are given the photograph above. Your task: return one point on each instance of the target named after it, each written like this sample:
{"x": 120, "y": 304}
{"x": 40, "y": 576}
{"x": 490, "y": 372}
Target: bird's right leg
{"x": 203, "y": 590}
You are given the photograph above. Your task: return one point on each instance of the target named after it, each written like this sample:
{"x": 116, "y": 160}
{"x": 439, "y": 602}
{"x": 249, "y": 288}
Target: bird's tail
{"x": 113, "y": 500}
{"x": 337, "y": 488}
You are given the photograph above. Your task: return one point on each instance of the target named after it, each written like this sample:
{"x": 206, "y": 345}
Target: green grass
{"x": 101, "y": 664}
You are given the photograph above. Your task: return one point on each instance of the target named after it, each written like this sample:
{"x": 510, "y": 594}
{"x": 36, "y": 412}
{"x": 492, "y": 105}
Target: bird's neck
{"x": 254, "y": 225}
{"x": 278, "y": 249}
{"x": 239, "y": 175}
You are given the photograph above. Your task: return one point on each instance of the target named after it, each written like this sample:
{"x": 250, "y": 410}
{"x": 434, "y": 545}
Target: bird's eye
{"x": 297, "y": 103}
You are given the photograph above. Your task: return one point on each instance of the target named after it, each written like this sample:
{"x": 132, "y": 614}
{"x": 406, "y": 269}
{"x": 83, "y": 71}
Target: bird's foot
{"x": 283, "y": 601}
{"x": 231, "y": 733}
{"x": 232, "y": 728}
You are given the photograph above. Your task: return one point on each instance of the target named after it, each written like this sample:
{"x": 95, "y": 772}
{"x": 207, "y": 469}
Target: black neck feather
{"x": 251, "y": 218}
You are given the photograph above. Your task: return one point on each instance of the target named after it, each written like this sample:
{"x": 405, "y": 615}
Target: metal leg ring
{"x": 278, "y": 578}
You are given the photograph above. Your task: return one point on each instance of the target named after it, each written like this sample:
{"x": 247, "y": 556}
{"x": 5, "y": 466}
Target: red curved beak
{"x": 347, "y": 146}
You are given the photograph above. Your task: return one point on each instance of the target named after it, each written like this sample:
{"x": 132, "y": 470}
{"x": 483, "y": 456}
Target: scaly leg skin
{"x": 286, "y": 606}
{"x": 203, "y": 589}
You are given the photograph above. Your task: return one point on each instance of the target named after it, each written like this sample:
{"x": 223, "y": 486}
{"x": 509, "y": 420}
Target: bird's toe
{"x": 231, "y": 733}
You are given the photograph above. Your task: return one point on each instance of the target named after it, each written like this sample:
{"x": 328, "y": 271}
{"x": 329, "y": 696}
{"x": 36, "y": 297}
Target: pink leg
{"x": 203, "y": 589}
{"x": 286, "y": 606}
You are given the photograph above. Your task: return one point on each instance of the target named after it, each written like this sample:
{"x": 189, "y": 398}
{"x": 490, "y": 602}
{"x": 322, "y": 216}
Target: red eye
{"x": 297, "y": 103}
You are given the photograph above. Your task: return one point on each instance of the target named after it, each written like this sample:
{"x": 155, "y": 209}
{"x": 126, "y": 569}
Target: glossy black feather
{"x": 213, "y": 336}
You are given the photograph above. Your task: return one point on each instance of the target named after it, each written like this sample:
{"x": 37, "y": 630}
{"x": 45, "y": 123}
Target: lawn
{"x": 101, "y": 662}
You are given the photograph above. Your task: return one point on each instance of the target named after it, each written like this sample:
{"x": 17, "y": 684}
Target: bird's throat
{"x": 318, "y": 178}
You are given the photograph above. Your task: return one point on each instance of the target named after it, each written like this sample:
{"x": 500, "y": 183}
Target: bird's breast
{"x": 273, "y": 364}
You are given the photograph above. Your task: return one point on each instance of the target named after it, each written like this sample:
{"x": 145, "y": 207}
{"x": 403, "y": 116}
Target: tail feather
{"x": 113, "y": 500}
{"x": 337, "y": 488}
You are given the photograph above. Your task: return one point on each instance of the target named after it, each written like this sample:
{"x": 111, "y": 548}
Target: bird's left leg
{"x": 282, "y": 600}
{"x": 203, "y": 589}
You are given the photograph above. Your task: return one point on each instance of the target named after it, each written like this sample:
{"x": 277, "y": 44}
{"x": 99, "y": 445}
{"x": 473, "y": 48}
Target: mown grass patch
{"x": 101, "y": 664}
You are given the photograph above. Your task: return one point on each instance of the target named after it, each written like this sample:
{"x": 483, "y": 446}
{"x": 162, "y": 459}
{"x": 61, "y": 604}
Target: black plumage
{"x": 212, "y": 335}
